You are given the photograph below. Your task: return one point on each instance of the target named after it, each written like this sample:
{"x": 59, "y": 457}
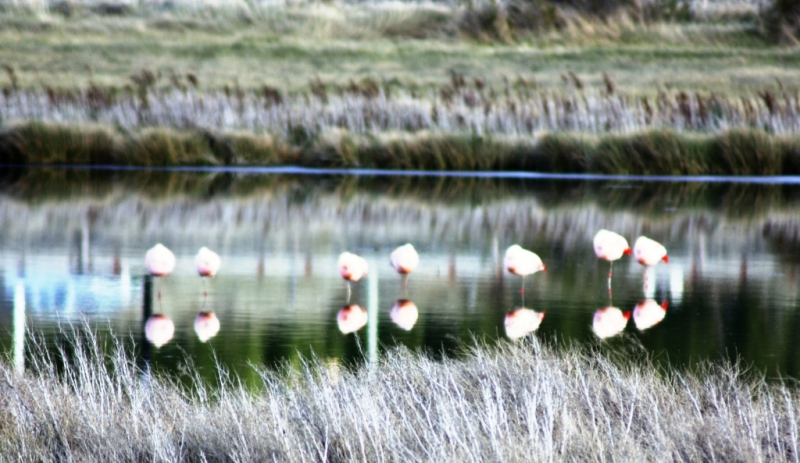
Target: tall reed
{"x": 513, "y": 107}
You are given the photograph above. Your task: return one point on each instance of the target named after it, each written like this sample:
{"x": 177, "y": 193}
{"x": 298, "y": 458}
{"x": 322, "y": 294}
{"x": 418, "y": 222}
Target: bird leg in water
{"x": 205, "y": 291}
{"x": 160, "y": 283}
{"x": 404, "y": 280}
{"x": 522, "y": 291}
{"x": 610, "y": 273}
{"x": 348, "y": 293}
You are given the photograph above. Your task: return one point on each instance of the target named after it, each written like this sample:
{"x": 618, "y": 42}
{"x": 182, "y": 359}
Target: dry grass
{"x": 511, "y": 107}
{"x": 514, "y": 402}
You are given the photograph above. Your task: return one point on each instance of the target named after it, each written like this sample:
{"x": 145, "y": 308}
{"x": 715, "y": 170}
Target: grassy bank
{"x": 626, "y": 87}
{"x": 723, "y": 46}
{"x": 516, "y": 402}
{"x": 736, "y": 152}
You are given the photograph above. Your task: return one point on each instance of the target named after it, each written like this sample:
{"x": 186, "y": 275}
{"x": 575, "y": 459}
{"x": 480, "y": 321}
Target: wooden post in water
{"x": 19, "y": 327}
{"x": 372, "y": 313}
{"x": 147, "y": 311}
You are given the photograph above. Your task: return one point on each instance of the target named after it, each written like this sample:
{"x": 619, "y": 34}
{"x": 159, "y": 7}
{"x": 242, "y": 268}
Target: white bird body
{"x": 648, "y": 252}
{"x": 648, "y": 314}
{"x": 206, "y": 325}
{"x": 521, "y": 322}
{"x": 159, "y": 261}
{"x": 351, "y": 318}
{"x": 404, "y": 259}
{"x": 159, "y": 329}
{"x": 352, "y": 267}
{"x": 610, "y": 246}
{"x": 207, "y": 262}
{"x": 609, "y": 321}
{"x": 404, "y": 314}
{"x": 522, "y": 262}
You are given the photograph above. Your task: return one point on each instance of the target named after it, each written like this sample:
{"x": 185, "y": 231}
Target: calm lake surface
{"x": 72, "y": 246}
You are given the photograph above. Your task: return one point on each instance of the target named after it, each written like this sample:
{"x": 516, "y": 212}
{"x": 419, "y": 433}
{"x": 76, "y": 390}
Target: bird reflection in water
{"x": 351, "y": 318}
{"x": 404, "y": 314}
{"x": 159, "y": 329}
{"x": 206, "y": 325}
{"x": 609, "y": 321}
{"x": 649, "y": 313}
{"x": 521, "y": 321}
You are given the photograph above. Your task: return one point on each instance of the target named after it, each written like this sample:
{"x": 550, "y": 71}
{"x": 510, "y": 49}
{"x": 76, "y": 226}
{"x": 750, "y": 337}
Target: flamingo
{"x": 352, "y": 268}
{"x": 610, "y": 246}
{"x": 207, "y": 263}
{"x": 159, "y": 329}
{"x": 404, "y": 259}
{"x": 521, "y": 322}
{"x": 648, "y": 314}
{"x": 522, "y": 262}
{"x": 404, "y": 314}
{"x": 206, "y": 325}
{"x": 351, "y": 318}
{"x": 609, "y": 321}
{"x": 160, "y": 262}
{"x": 648, "y": 252}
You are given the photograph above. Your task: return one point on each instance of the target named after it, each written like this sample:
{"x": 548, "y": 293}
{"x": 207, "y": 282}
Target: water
{"x": 72, "y": 245}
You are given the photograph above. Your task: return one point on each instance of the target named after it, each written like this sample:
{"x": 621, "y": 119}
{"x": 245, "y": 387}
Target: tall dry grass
{"x": 524, "y": 401}
{"x": 517, "y": 106}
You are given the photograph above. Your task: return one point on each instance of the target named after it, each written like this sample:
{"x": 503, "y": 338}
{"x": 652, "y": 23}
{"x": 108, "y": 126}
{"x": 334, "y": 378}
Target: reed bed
{"x": 525, "y": 401}
{"x": 464, "y": 125}
{"x": 514, "y": 107}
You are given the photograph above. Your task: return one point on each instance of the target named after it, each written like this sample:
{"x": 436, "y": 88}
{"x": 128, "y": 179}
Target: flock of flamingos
{"x": 608, "y": 321}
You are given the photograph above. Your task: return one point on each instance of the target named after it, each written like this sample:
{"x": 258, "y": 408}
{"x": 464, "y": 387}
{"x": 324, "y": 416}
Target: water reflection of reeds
{"x": 47, "y": 206}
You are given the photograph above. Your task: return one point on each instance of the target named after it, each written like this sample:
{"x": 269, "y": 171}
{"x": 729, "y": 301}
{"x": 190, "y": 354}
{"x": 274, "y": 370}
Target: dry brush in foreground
{"x": 513, "y": 402}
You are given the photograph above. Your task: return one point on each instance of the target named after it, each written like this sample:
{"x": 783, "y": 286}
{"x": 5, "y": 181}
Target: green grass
{"x": 656, "y": 152}
{"x": 521, "y": 401}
